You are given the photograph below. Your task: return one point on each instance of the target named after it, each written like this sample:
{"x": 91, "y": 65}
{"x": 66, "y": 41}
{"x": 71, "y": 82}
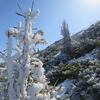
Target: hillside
{"x": 93, "y": 32}
{"x": 82, "y": 64}
{"x": 90, "y": 34}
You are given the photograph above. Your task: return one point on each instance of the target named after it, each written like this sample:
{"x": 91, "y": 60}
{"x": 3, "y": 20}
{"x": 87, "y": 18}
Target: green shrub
{"x": 87, "y": 84}
{"x": 72, "y": 70}
{"x": 83, "y": 47}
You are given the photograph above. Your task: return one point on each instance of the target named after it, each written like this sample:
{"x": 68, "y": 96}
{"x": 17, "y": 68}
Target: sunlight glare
{"x": 92, "y": 2}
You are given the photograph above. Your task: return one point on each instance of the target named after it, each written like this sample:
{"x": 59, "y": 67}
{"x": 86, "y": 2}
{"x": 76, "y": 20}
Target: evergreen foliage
{"x": 87, "y": 86}
{"x": 66, "y": 37}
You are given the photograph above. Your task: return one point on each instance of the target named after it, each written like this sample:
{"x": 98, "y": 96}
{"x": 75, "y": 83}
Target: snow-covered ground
{"x": 62, "y": 88}
{"x": 87, "y": 55}
{"x": 80, "y": 33}
{"x": 57, "y": 54}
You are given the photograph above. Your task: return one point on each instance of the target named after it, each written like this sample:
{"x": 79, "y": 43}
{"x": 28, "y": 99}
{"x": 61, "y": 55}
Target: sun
{"x": 92, "y": 2}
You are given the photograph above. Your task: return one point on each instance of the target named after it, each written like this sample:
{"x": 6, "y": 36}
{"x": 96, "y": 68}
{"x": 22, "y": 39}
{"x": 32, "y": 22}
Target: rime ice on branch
{"x": 26, "y": 79}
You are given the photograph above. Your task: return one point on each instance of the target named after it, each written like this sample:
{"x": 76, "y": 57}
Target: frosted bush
{"x": 87, "y": 84}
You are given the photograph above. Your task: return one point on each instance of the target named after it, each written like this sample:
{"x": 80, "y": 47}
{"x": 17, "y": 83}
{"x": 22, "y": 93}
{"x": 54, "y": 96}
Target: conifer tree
{"x": 23, "y": 74}
{"x": 66, "y": 37}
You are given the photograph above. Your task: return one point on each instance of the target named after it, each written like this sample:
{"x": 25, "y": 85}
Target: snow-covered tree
{"x": 23, "y": 74}
{"x": 66, "y": 37}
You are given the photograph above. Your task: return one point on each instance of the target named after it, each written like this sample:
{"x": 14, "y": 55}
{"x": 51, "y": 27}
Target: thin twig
{"x": 20, "y": 14}
{"x": 4, "y": 50}
{"x": 19, "y": 8}
{"x": 32, "y": 6}
{"x": 56, "y": 82}
{"x": 2, "y": 53}
{"x": 38, "y": 51}
{"x": 34, "y": 50}
{"x": 34, "y": 28}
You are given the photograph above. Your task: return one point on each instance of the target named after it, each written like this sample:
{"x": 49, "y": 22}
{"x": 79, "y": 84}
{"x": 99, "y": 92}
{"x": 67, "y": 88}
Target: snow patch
{"x": 63, "y": 87}
{"x": 57, "y": 54}
{"x": 81, "y": 33}
{"x": 87, "y": 55}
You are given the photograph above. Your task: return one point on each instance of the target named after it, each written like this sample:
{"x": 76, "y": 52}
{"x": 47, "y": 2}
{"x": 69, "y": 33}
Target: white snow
{"x": 94, "y": 50}
{"x": 81, "y": 33}
{"x": 35, "y": 14}
{"x": 64, "y": 86}
{"x": 36, "y": 39}
{"x": 25, "y": 77}
{"x": 87, "y": 55}
{"x": 57, "y": 54}
{"x": 11, "y": 31}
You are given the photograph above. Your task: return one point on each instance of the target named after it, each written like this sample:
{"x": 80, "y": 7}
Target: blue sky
{"x": 79, "y": 14}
